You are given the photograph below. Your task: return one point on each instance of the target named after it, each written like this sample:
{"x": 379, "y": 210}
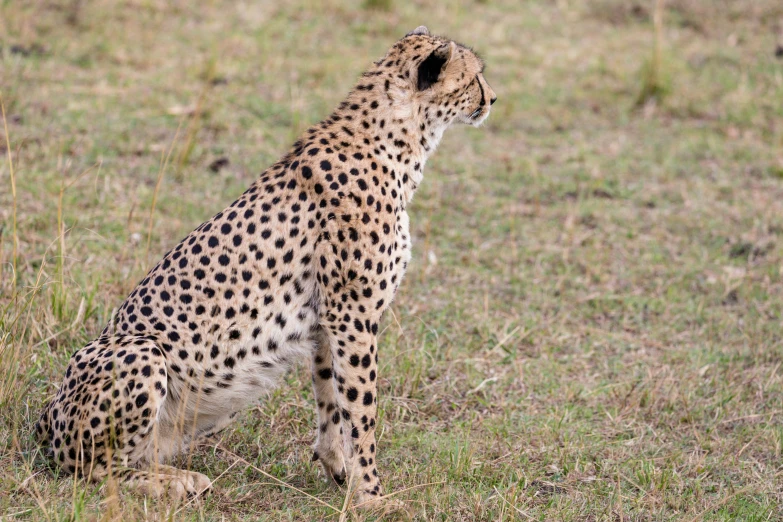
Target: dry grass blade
{"x": 275, "y": 479}
{"x": 14, "y": 234}
{"x": 161, "y": 170}
{"x": 512, "y": 506}
{"x": 398, "y": 492}
{"x": 720, "y": 503}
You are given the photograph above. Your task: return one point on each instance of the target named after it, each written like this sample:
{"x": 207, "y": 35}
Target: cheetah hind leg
{"x": 121, "y": 425}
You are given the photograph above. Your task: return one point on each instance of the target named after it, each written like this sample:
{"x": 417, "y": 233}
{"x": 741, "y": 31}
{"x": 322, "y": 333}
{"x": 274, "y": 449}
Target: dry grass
{"x": 591, "y": 326}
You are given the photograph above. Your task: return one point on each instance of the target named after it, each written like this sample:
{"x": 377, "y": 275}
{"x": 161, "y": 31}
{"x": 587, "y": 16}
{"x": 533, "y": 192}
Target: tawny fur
{"x": 301, "y": 266}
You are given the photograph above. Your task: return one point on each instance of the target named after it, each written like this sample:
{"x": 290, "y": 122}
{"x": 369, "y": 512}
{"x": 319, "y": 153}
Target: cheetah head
{"x": 444, "y": 80}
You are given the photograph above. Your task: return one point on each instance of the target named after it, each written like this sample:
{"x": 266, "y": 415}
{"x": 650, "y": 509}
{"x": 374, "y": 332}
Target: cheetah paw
{"x": 368, "y": 498}
{"x": 185, "y": 485}
{"x": 332, "y": 464}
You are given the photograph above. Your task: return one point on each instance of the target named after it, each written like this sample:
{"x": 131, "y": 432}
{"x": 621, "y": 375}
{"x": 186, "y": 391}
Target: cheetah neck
{"x": 400, "y": 134}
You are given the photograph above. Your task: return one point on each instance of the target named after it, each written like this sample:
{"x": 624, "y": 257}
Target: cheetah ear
{"x": 421, "y": 30}
{"x": 430, "y": 68}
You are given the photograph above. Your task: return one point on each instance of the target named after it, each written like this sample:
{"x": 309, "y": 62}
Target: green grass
{"x": 590, "y": 328}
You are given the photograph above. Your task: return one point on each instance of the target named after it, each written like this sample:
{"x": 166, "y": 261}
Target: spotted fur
{"x": 300, "y": 266}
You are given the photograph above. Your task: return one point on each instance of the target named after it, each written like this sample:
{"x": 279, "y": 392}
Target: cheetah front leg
{"x": 328, "y": 448}
{"x": 354, "y": 369}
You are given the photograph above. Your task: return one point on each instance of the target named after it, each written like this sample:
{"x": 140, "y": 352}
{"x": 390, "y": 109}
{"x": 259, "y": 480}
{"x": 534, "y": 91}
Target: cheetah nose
{"x": 493, "y": 100}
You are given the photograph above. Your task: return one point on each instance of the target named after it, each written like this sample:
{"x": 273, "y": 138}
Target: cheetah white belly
{"x": 241, "y": 370}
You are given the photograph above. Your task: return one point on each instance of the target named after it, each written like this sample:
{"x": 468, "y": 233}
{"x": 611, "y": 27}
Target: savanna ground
{"x": 591, "y": 325}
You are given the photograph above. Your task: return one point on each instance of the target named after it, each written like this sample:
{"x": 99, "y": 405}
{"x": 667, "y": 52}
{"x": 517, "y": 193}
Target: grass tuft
{"x": 654, "y": 73}
{"x": 378, "y": 5}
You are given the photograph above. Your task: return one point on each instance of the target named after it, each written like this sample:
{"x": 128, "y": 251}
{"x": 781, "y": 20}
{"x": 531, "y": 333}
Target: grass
{"x": 591, "y": 325}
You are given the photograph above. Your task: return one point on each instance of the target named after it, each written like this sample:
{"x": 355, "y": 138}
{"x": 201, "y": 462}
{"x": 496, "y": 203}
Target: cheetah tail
{"x": 43, "y": 428}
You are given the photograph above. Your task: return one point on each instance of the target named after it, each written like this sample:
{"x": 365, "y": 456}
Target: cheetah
{"x": 301, "y": 266}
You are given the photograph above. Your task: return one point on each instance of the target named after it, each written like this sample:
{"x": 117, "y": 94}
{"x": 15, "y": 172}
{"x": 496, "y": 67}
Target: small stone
{"x": 219, "y": 164}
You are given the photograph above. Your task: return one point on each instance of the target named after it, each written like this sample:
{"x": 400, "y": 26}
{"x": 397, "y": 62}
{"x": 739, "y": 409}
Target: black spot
{"x": 352, "y": 394}
{"x": 141, "y": 400}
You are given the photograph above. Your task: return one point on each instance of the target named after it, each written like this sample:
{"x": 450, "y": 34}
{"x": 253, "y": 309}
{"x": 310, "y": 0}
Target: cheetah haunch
{"x": 301, "y": 266}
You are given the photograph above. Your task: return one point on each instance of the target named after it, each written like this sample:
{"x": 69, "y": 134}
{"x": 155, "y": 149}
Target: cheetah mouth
{"x": 477, "y": 117}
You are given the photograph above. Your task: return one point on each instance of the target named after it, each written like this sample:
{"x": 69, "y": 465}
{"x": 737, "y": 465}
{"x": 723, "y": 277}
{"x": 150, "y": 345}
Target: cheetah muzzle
{"x": 300, "y": 266}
